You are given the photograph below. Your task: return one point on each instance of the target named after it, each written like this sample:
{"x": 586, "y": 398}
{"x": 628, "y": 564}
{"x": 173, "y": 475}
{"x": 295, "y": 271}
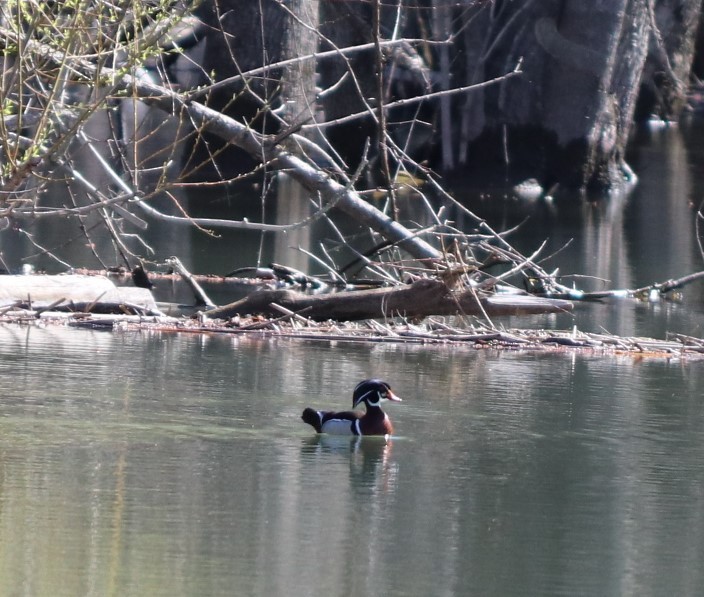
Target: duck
{"x": 371, "y": 392}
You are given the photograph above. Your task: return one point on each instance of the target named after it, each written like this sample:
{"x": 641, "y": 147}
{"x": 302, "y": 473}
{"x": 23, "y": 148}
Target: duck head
{"x": 373, "y": 392}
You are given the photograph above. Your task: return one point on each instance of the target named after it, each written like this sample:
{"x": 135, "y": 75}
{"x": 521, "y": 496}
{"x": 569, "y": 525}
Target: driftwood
{"x": 73, "y": 293}
{"x": 420, "y": 299}
{"x": 431, "y": 331}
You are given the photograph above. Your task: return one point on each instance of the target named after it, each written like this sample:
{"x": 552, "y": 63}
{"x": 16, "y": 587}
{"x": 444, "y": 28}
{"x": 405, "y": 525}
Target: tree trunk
{"x": 298, "y": 80}
{"x": 591, "y": 96}
{"x": 567, "y": 119}
{"x": 242, "y": 35}
{"x": 351, "y": 85}
{"x": 672, "y": 43}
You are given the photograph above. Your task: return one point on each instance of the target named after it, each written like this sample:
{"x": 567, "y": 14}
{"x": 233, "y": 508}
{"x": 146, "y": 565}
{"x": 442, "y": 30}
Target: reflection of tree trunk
{"x": 663, "y": 207}
{"x": 292, "y": 205}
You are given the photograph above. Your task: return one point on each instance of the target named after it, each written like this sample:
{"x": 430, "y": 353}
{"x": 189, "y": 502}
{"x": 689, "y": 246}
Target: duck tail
{"x": 313, "y": 418}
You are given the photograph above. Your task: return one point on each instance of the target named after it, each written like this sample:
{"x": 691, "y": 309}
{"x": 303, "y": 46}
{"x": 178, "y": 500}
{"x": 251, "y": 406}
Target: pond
{"x": 165, "y": 464}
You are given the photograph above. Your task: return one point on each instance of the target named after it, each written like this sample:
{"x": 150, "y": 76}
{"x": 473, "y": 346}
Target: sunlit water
{"x": 137, "y": 464}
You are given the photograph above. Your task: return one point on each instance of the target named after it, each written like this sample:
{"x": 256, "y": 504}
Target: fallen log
{"x": 420, "y": 299}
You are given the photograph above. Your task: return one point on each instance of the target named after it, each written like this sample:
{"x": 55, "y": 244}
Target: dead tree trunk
{"x": 243, "y": 35}
{"x": 351, "y": 84}
{"x": 590, "y": 100}
{"x": 347, "y": 24}
{"x": 298, "y": 80}
{"x": 420, "y": 299}
{"x": 567, "y": 119}
{"x": 672, "y": 43}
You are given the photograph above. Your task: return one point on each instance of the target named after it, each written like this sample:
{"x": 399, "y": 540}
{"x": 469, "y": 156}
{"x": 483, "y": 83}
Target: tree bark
{"x": 298, "y": 80}
{"x": 354, "y": 81}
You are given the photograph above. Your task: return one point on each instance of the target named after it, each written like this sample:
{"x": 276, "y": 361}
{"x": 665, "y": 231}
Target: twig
{"x": 50, "y": 307}
{"x": 89, "y": 306}
{"x": 337, "y": 52}
{"x": 291, "y": 314}
{"x": 415, "y": 100}
{"x": 42, "y": 249}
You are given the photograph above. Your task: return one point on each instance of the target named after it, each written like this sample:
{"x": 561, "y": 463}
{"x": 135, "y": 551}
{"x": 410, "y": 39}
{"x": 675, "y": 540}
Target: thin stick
{"x": 201, "y": 297}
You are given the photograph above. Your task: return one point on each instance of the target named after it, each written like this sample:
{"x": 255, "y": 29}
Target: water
{"x": 163, "y": 464}
{"x": 149, "y": 464}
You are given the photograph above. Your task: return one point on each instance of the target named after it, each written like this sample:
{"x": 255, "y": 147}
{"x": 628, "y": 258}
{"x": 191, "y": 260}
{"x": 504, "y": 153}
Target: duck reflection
{"x": 370, "y": 463}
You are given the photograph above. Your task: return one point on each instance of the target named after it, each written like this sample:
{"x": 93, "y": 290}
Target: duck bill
{"x": 393, "y": 397}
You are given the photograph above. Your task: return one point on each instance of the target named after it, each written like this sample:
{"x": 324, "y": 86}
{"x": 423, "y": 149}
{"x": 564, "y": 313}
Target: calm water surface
{"x": 137, "y": 464}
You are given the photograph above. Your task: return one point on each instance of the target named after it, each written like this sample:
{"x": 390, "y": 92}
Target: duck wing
{"x": 339, "y": 423}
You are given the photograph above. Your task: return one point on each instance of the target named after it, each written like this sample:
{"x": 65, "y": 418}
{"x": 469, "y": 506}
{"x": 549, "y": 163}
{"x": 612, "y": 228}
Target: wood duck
{"x": 372, "y": 392}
